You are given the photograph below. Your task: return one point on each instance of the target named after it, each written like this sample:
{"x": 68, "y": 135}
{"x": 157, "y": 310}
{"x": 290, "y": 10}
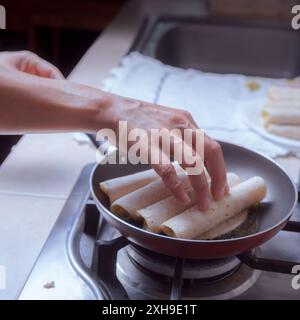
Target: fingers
{"x": 213, "y": 159}
{"x": 215, "y": 164}
{"x": 198, "y": 181}
{"x": 172, "y": 181}
{"x": 31, "y": 63}
{"x": 47, "y": 70}
{"x": 42, "y": 68}
{"x": 201, "y": 188}
{"x": 183, "y": 120}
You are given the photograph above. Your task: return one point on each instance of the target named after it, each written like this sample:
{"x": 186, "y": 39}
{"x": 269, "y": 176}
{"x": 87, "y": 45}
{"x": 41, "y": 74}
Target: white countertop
{"x": 38, "y": 175}
{"x": 35, "y": 181}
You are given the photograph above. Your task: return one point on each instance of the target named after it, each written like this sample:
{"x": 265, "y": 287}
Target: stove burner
{"x": 216, "y": 279}
{"x": 98, "y": 263}
{"x": 193, "y": 269}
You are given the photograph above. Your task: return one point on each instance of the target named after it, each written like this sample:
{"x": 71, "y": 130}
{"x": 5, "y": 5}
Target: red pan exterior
{"x": 238, "y": 159}
{"x": 209, "y": 249}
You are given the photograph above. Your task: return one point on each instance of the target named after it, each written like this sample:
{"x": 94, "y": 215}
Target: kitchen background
{"x": 37, "y": 179}
{"x": 62, "y": 30}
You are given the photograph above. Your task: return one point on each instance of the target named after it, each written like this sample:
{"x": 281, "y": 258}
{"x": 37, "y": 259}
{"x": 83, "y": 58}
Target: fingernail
{"x": 221, "y": 193}
{"x": 185, "y": 199}
{"x": 205, "y": 205}
{"x": 226, "y": 189}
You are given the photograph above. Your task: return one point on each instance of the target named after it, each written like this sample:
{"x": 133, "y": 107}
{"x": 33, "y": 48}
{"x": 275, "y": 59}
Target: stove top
{"x": 86, "y": 258}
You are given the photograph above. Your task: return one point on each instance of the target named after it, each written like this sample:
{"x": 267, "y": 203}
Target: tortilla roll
{"x": 284, "y": 92}
{"x": 118, "y": 187}
{"x": 281, "y": 116}
{"x": 128, "y": 205}
{"x": 159, "y": 212}
{"x": 288, "y": 131}
{"x": 193, "y": 222}
{"x": 282, "y": 104}
{"x": 225, "y": 226}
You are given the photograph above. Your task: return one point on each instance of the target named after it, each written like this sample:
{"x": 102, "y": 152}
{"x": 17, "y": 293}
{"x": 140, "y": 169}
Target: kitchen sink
{"x": 7, "y": 142}
{"x": 220, "y": 46}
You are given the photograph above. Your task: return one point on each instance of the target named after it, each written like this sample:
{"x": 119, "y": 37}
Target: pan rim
{"x": 195, "y": 241}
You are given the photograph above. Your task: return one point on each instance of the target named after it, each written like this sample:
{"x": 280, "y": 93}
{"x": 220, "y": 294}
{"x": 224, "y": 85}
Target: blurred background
{"x": 58, "y": 30}
{"x": 62, "y": 30}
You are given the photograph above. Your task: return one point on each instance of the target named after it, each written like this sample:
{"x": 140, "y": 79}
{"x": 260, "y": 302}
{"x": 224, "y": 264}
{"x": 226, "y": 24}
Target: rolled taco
{"x": 193, "y": 222}
{"x": 156, "y": 214}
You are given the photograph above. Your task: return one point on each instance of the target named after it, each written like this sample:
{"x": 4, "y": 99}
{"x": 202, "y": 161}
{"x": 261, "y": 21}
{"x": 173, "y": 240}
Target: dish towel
{"x": 212, "y": 99}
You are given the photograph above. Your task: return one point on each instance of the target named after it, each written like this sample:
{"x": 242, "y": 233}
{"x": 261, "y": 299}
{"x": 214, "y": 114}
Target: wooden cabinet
{"x": 28, "y": 15}
{"x": 90, "y": 14}
{"x": 279, "y": 10}
{"x": 57, "y": 16}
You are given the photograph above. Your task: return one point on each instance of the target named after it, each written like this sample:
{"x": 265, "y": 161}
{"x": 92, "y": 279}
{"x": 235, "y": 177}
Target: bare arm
{"x": 34, "y": 97}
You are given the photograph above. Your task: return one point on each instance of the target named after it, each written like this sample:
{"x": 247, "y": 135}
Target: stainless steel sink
{"x": 257, "y": 49}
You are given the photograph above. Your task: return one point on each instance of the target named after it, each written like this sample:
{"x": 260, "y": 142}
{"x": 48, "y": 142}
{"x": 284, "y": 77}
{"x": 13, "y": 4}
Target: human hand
{"x": 148, "y": 116}
{"x": 29, "y": 62}
{"x": 59, "y": 105}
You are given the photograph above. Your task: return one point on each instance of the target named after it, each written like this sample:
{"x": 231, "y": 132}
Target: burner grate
{"x": 105, "y": 253}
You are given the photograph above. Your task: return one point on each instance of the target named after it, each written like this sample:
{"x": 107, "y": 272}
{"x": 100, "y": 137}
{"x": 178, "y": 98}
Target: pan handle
{"x": 271, "y": 265}
{"x": 264, "y": 264}
{"x": 177, "y": 280}
{"x": 104, "y": 265}
{"x": 293, "y": 226}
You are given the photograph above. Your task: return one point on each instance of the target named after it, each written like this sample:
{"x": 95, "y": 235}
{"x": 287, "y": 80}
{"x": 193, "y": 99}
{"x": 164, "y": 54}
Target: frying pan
{"x": 275, "y": 210}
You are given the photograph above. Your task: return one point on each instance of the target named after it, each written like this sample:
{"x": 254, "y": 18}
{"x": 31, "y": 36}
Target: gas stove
{"x": 86, "y": 258}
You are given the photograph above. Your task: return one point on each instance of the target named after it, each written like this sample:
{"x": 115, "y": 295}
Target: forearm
{"x": 35, "y": 98}
{"x": 33, "y": 104}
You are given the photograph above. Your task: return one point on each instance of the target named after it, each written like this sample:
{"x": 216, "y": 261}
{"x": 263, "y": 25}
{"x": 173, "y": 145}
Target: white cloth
{"x": 211, "y": 98}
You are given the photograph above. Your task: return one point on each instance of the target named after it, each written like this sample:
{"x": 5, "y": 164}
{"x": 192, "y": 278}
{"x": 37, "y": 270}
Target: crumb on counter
{"x": 252, "y": 85}
{"x": 49, "y": 285}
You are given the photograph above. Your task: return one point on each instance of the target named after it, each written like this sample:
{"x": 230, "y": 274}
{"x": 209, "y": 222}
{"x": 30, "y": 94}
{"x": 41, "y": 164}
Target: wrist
{"x": 83, "y": 108}
{"x": 108, "y": 109}
{"x": 98, "y": 113}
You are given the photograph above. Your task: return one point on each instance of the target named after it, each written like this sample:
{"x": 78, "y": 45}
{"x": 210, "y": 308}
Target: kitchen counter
{"x": 35, "y": 181}
{"x": 96, "y": 63}
{"x": 38, "y": 175}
